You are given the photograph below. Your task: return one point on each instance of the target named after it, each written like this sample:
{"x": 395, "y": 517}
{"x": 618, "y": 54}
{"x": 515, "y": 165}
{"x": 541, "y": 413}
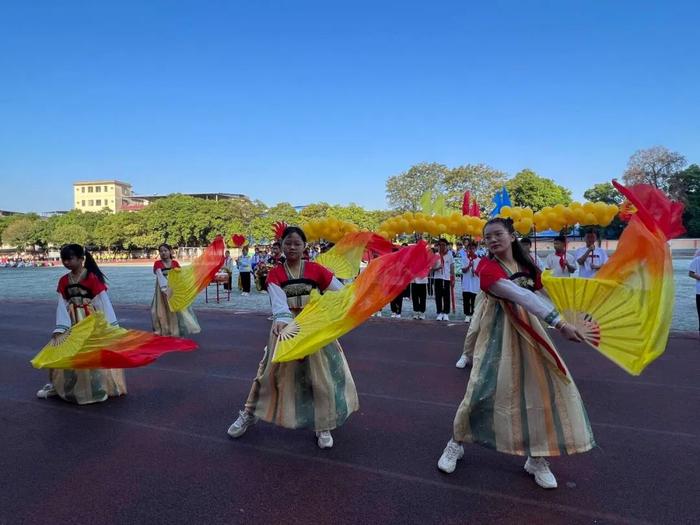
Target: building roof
{"x": 132, "y": 207}
{"x": 112, "y": 181}
{"x": 212, "y": 196}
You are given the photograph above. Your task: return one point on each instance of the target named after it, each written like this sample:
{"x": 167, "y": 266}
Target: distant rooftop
{"x": 206, "y": 196}
{"x": 105, "y": 181}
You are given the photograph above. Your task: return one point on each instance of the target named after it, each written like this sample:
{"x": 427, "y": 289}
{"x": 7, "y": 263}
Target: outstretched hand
{"x": 571, "y": 333}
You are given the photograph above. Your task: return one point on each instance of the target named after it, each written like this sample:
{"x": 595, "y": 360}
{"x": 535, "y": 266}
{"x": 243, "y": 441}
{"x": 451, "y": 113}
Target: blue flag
{"x": 502, "y": 198}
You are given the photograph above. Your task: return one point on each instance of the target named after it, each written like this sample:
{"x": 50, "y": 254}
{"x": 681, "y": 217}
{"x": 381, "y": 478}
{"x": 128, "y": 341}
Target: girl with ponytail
{"x": 520, "y": 398}
{"x": 163, "y": 319}
{"x": 81, "y": 292}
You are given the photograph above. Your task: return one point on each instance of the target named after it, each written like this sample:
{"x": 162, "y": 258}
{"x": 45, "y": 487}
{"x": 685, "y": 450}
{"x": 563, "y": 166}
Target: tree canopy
{"x": 527, "y": 188}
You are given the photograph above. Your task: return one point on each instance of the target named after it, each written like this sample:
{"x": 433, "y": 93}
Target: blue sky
{"x": 305, "y": 101}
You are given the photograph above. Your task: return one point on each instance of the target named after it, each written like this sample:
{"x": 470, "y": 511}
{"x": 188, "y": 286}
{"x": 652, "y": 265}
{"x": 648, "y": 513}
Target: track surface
{"x": 161, "y": 453}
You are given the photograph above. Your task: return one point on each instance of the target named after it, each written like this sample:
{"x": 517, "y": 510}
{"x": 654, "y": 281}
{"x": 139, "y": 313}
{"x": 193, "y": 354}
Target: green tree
{"x": 119, "y": 231}
{"x": 481, "y": 180}
{"x": 529, "y": 189}
{"x": 686, "y": 183}
{"x": 177, "y": 220}
{"x": 314, "y": 211}
{"x": 41, "y": 232}
{"x": 19, "y": 233}
{"x": 260, "y": 228}
{"x": 655, "y": 166}
{"x": 603, "y": 192}
{"x": 69, "y": 234}
{"x": 88, "y": 221}
{"x": 404, "y": 191}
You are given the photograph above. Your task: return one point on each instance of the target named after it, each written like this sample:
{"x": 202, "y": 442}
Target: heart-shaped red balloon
{"x": 238, "y": 240}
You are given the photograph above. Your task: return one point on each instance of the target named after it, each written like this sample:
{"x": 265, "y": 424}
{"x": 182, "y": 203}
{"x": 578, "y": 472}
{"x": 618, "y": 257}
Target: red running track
{"x": 161, "y": 454}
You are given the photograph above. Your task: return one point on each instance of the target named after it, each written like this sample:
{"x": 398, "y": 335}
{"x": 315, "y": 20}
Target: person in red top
{"x": 520, "y": 398}
{"x": 165, "y": 321}
{"x": 316, "y": 392}
{"x": 81, "y": 292}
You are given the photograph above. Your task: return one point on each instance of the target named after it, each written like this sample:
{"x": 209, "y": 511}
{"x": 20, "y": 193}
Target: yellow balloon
{"x": 588, "y": 207}
{"x": 569, "y": 216}
{"x": 524, "y": 226}
{"x": 589, "y": 219}
{"x": 601, "y": 215}
{"x": 516, "y": 214}
{"x": 505, "y": 211}
{"x": 600, "y": 207}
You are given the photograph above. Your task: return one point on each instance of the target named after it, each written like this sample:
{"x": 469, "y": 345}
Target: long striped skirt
{"x": 517, "y": 401}
{"x": 87, "y": 386}
{"x": 316, "y": 392}
{"x": 474, "y": 326}
{"x": 166, "y": 322}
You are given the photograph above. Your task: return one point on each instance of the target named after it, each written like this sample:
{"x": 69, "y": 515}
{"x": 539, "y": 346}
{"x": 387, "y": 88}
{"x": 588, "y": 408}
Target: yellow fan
{"x": 92, "y": 333}
{"x": 617, "y": 319}
{"x": 344, "y": 258}
{"x": 187, "y": 282}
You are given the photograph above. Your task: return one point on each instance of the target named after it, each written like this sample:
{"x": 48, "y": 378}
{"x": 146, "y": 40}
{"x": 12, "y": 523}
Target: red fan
{"x": 238, "y": 240}
{"x": 279, "y": 228}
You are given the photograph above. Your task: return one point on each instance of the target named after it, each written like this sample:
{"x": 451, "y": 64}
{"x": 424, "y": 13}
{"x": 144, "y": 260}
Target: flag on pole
{"x": 502, "y": 198}
{"x": 466, "y": 204}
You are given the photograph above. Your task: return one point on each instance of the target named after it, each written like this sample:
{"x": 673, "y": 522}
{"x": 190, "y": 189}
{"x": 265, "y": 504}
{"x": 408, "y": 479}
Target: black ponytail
{"x": 76, "y": 250}
{"x": 518, "y": 254}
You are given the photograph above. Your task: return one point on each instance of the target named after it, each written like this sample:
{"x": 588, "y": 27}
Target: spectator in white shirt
{"x": 591, "y": 258}
{"x": 694, "y": 273}
{"x": 561, "y": 262}
{"x": 470, "y": 281}
{"x": 443, "y": 275}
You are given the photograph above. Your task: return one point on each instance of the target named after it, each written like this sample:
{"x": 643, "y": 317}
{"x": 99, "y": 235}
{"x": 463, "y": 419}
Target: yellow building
{"x": 96, "y": 195}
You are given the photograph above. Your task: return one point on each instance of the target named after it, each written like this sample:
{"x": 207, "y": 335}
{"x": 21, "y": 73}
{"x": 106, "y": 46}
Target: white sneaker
{"x": 325, "y": 440}
{"x": 452, "y": 453}
{"x": 416, "y": 316}
{"x": 422, "y": 316}
{"x": 245, "y": 420}
{"x": 462, "y": 362}
{"x": 539, "y": 467}
{"x": 467, "y": 318}
{"x": 46, "y": 391}
{"x": 244, "y": 294}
